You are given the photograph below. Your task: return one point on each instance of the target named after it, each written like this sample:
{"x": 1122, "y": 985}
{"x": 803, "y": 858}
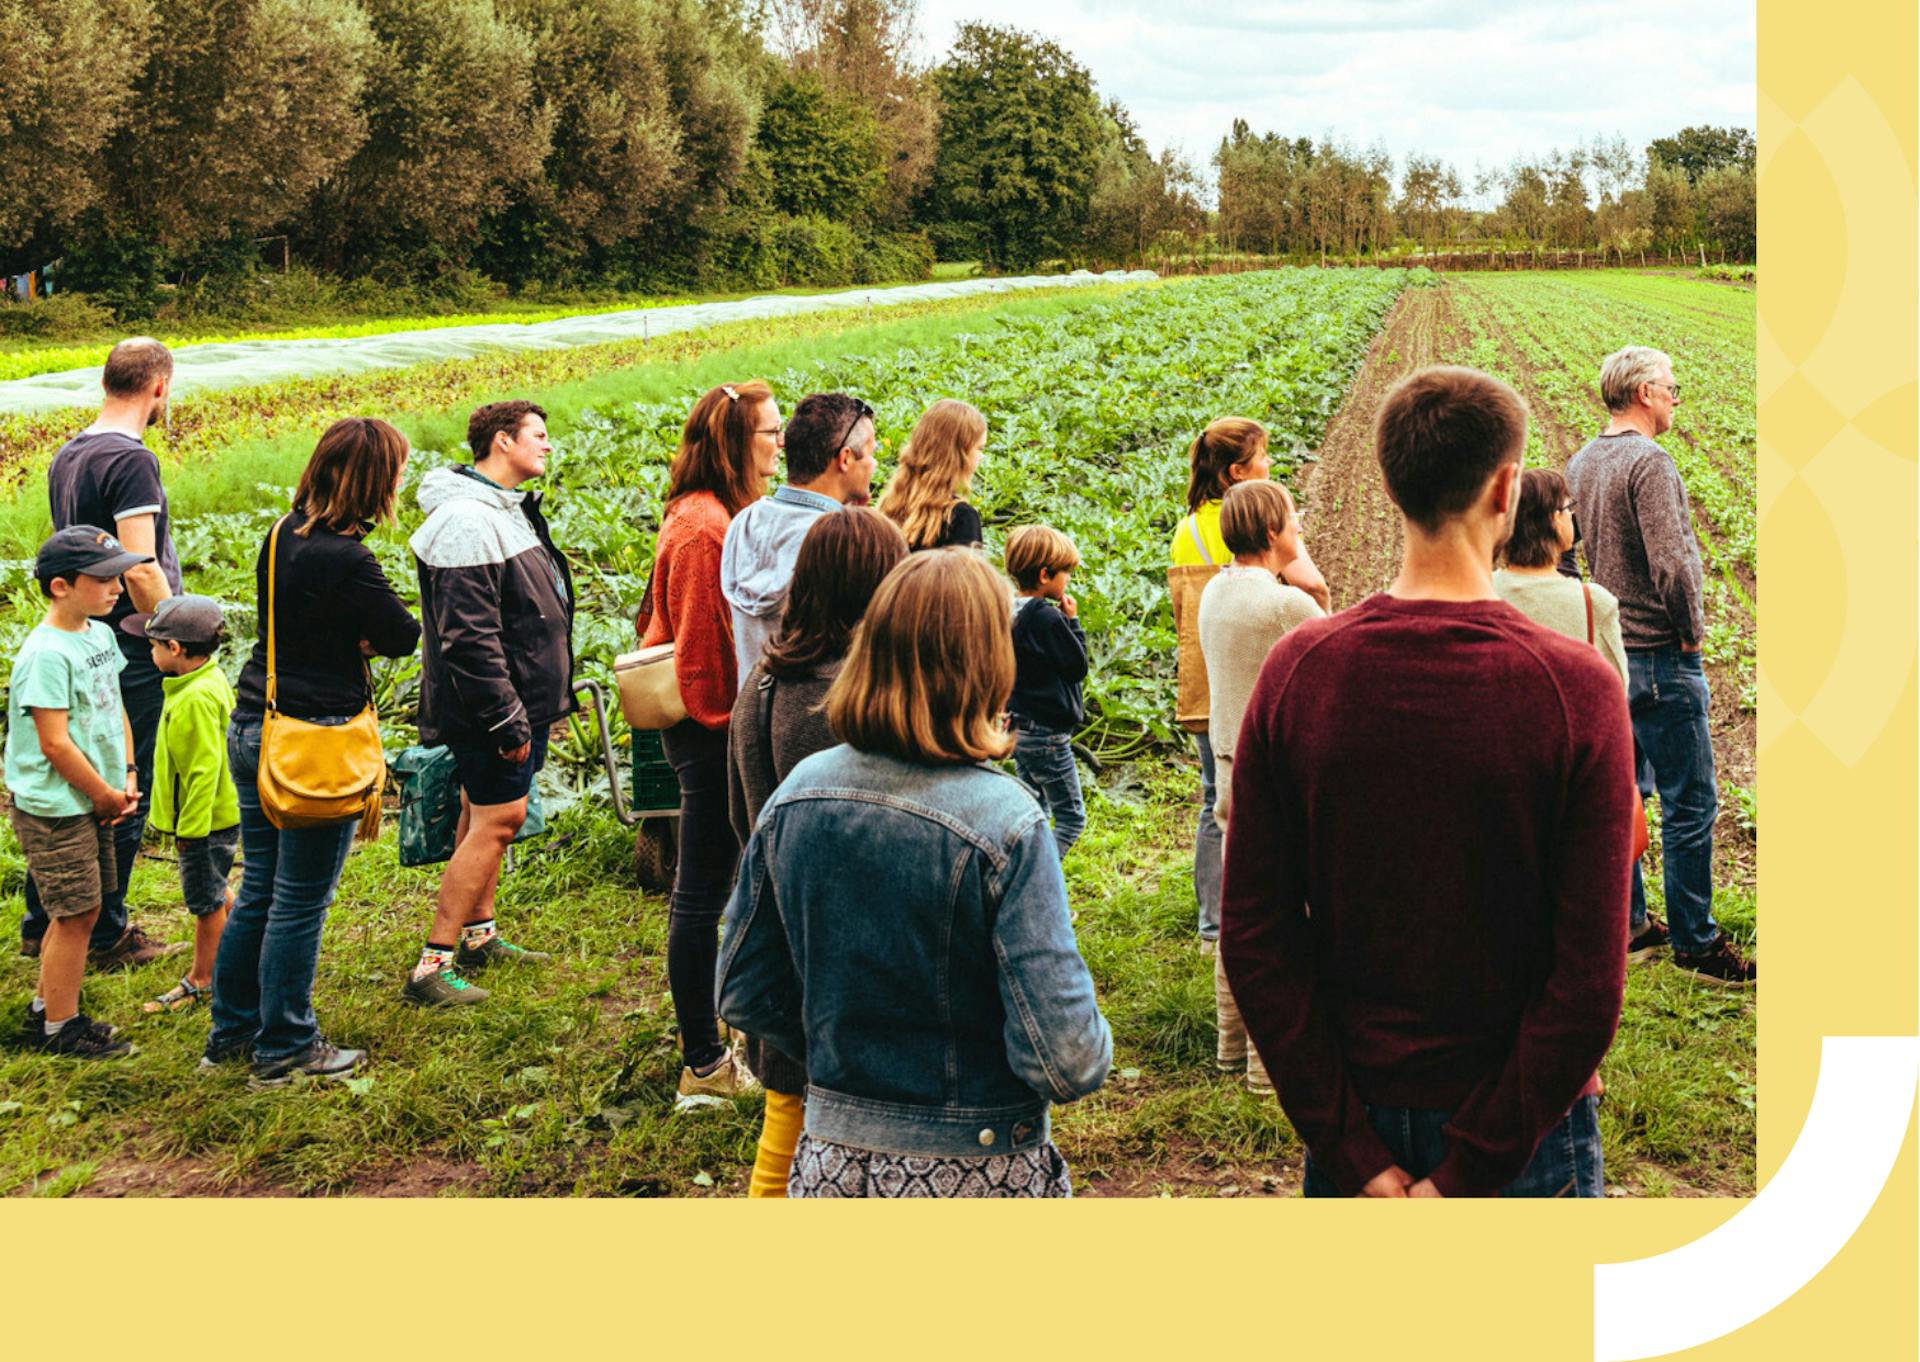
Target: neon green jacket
{"x": 193, "y": 791}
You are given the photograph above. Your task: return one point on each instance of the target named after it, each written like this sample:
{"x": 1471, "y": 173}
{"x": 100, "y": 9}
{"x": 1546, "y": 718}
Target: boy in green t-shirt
{"x": 193, "y": 792}
{"x": 70, "y": 772}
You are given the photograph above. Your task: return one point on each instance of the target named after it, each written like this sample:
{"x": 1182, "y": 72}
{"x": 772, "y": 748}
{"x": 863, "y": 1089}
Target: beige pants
{"x": 1233, "y": 1051}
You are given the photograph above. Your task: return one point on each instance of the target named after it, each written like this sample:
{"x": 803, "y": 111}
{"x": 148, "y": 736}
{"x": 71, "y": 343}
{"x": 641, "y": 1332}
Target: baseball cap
{"x": 183, "y": 619}
{"x": 86, "y": 549}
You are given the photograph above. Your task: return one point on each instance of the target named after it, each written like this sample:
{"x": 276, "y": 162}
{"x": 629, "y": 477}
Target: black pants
{"x": 142, "y": 697}
{"x": 701, "y": 883}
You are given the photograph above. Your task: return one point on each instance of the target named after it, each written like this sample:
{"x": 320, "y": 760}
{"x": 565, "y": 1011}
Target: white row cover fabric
{"x": 239, "y": 364}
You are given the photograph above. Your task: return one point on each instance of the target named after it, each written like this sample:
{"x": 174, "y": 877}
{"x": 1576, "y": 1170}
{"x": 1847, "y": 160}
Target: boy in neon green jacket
{"x": 193, "y": 792}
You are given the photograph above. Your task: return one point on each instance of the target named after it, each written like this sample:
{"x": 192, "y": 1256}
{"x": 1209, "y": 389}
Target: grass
{"x": 562, "y": 1083}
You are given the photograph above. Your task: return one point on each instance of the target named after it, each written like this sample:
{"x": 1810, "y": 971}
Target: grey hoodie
{"x": 756, "y": 565}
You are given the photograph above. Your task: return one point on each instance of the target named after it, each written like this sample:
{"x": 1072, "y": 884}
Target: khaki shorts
{"x": 71, "y": 860}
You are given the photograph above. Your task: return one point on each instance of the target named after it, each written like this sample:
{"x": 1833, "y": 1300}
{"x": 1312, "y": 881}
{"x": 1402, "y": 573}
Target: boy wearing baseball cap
{"x": 193, "y": 792}
{"x": 70, "y": 772}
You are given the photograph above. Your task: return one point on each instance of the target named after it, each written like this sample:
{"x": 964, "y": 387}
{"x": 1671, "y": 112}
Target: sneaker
{"x": 221, "y": 1056}
{"x": 728, "y": 1079}
{"x": 85, "y": 1038}
{"x": 1647, "y": 940}
{"x": 322, "y": 1059}
{"x": 134, "y": 949}
{"x": 33, "y": 1029}
{"x": 443, "y": 988}
{"x": 1719, "y": 964}
{"x": 494, "y": 951}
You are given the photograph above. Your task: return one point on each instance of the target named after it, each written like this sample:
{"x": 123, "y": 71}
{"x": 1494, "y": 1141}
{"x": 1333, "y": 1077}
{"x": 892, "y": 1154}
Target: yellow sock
{"x": 779, "y": 1133}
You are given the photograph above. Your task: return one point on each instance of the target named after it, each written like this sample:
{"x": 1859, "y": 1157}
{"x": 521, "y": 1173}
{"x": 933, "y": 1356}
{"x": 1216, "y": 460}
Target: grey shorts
{"x": 70, "y": 858}
{"x": 204, "y": 865}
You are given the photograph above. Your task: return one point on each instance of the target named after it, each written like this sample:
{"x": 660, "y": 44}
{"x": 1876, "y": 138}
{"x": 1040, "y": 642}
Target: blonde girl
{"x": 926, "y": 496}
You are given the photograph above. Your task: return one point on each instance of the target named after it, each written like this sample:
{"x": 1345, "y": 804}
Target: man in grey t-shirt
{"x": 1638, "y": 530}
{"x": 106, "y": 476}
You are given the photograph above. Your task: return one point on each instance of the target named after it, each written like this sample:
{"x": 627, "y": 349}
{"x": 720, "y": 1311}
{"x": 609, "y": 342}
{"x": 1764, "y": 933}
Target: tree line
{"x": 664, "y": 145}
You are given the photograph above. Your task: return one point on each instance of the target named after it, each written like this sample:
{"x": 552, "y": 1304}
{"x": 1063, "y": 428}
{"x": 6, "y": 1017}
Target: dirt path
{"x": 1354, "y": 532}
{"x": 1352, "y": 528}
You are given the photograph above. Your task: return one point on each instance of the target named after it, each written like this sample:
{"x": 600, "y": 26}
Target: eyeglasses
{"x": 1567, "y": 507}
{"x": 776, "y": 430}
{"x": 1673, "y": 388}
{"x": 865, "y": 413}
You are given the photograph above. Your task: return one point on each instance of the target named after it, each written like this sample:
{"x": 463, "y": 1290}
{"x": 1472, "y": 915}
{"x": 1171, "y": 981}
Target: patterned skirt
{"x": 837, "y": 1170}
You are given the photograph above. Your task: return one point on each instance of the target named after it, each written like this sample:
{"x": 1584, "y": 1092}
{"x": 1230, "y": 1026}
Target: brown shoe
{"x": 30, "y": 947}
{"x": 1719, "y": 964}
{"x": 134, "y": 949}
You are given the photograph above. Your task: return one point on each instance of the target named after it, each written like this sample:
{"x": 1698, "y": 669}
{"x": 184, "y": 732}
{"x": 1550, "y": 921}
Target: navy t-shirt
{"x": 100, "y": 478}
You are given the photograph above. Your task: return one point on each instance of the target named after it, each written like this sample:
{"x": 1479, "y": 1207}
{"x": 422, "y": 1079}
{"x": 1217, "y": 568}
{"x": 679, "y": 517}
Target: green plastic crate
{"x": 654, "y": 784}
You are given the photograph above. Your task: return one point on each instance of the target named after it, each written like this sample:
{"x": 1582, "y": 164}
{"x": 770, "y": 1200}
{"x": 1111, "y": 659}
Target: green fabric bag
{"x": 430, "y": 806}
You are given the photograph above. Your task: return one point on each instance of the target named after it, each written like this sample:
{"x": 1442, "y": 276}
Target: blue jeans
{"x": 1208, "y": 843}
{"x": 1667, "y": 695}
{"x": 141, "y": 697}
{"x": 1045, "y": 761}
{"x": 1566, "y": 1163}
{"x": 263, "y": 975}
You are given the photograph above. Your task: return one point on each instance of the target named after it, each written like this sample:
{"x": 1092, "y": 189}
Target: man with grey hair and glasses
{"x": 1638, "y": 531}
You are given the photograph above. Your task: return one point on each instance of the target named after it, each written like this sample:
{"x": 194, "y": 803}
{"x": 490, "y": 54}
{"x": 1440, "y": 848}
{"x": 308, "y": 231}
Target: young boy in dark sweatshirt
{"x": 1050, "y": 660}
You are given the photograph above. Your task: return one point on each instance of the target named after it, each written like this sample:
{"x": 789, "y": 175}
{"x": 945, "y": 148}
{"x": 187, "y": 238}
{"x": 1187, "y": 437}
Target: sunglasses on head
{"x": 865, "y": 413}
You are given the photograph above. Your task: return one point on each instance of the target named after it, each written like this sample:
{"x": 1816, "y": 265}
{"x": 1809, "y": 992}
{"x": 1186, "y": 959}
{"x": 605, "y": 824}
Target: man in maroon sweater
{"x": 1421, "y": 917}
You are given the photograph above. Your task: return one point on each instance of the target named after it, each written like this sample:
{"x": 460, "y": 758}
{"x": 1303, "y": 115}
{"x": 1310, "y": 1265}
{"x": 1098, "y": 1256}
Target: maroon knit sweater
{"x": 1449, "y": 786}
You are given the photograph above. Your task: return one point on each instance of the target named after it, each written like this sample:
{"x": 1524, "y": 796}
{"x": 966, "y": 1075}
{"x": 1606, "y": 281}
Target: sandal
{"x": 182, "y": 995}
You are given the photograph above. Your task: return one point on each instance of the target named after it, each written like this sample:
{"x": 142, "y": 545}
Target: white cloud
{"x": 1476, "y": 84}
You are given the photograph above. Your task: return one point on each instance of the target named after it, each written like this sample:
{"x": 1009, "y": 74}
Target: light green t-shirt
{"x": 79, "y": 673}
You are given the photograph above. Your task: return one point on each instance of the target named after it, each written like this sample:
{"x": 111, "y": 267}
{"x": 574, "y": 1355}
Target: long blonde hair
{"x": 930, "y": 668}
{"x": 933, "y": 470}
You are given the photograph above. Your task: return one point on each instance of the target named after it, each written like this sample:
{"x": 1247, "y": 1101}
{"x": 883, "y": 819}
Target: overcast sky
{"x": 1471, "y": 83}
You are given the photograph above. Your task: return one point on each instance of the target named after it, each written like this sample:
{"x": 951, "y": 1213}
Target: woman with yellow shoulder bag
{"x": 304, "y": 749}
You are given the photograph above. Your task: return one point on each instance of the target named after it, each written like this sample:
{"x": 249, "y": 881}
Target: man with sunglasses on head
{"x": 1638, "y": 531}
{"x": 830, "y": 448}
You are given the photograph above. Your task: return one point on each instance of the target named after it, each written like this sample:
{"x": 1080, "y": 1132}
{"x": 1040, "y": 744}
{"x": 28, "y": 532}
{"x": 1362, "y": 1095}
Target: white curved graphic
{"x": 1786, "y": 1234}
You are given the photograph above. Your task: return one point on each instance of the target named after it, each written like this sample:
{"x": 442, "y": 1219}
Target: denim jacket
{"x": 904, "y": 929}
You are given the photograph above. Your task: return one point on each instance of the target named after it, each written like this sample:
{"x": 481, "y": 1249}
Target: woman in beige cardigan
{"x": 1531, "y": 581}
{"x": 1244, "y": 611}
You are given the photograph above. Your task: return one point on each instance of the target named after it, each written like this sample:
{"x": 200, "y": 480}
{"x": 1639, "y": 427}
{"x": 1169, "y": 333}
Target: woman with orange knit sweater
{"x": 728, "y": 452}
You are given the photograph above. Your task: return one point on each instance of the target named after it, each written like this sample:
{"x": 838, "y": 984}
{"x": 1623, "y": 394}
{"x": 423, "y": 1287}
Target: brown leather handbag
{"x": 1642, "y": 839}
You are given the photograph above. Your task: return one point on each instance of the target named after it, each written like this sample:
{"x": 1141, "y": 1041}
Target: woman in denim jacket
{"x": 900, "y": 922}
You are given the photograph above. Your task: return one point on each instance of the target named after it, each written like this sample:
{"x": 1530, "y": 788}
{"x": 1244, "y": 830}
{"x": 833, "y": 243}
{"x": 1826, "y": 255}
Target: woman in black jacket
{"x": 332, "y": 609}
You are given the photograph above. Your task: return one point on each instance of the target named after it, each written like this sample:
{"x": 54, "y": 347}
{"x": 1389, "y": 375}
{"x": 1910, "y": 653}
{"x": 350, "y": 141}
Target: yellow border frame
{"x": 1837, "y": 366}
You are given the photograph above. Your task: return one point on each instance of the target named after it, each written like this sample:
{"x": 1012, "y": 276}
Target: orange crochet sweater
{"x": 690, "y": 612}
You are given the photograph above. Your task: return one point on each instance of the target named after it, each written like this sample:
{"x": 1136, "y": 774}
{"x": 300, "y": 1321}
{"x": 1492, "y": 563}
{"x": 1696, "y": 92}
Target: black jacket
{"x": 496, "y": 602}
{"x": 329, "y": 593}
{"x": 1050, "y": 662}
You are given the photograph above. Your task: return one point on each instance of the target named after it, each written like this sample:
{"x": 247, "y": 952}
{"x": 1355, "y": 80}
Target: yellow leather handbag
{"x": 311, "y": 774}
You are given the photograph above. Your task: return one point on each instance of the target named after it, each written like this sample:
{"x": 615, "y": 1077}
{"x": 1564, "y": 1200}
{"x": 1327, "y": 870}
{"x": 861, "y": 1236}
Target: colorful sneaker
{"x": 1719, "y": 964}
{"x": 322, "y": 1059}
{"x": 494, "y": 951}
{"x": 1648, "y": 940}
{"x": 443, "y": 988}
{"x": 84, "y": 1038}
{"x": 727, "y": 1080}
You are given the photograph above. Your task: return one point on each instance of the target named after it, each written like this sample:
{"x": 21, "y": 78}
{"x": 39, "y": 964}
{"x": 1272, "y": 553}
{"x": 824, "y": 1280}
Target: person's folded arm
{"x": 756, "y": 986}
{"x": 1568, "y": 1024}
{"x": 385, "y": 622}
{"x": 1666, "y": 532}
{"x": 703, "y": 658}
{"x": 466, "y": 621}
{"x": 1056, "y": 1039}
{"x": 1268, "y": 950}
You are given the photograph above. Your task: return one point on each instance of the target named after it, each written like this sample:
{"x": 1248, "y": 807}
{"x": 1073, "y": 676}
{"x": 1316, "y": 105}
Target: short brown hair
{"x": 1440, "y": 436}
{"x": 1228, "y": 442}
{"x": 716, "y": 447}
{"x": 842, "y": 561}
{"x": 133, "y": 365}
{"x": 353, "y": 477}
{"x": 1535, "y": 543}
{"x": 1251, "y": 513}
{"x": 498, "y": 418}
{"x": 930, "y": 669}
{"x": 1034, "y": 549}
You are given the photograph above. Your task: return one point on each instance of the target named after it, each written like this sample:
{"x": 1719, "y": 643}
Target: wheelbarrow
{"x": 654, "y": 811}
